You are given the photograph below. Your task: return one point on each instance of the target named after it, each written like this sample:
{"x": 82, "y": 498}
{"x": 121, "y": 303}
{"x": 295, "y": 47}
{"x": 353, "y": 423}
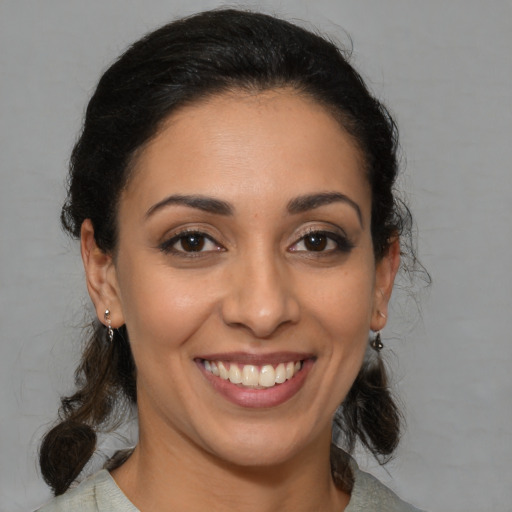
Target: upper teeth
{"x": 252, "y": 376}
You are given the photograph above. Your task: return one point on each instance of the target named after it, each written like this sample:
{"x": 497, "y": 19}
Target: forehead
{"x": 239, "y": 146}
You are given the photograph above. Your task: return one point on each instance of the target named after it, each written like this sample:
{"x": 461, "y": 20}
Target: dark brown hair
{"x": 182, "y": 62}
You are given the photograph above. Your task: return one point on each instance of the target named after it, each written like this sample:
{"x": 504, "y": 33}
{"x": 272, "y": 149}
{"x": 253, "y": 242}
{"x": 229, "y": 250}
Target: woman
{"x": 233, "y": 193}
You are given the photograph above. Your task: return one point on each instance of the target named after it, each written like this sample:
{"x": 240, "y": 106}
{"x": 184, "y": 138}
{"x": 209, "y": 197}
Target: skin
{"x": 256, "y": 288}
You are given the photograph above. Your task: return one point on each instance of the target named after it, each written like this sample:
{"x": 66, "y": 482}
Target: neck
{"x": 181, "y": 476}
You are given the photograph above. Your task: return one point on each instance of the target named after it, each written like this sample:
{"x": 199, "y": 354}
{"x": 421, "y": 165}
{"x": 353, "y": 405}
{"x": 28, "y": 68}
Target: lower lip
{"x": 258, "y": 398}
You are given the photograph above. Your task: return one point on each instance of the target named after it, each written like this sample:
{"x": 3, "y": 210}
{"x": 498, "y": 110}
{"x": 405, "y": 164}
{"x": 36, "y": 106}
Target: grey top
{"x": 100, "y": 493}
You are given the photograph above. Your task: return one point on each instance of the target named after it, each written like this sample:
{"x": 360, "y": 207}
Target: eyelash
{"x": 343, "y": 244}
{"x": 168, "y": 246}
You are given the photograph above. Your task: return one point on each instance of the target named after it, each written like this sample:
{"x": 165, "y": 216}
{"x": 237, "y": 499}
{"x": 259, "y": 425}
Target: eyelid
{"x": 167, "y": 244}
{"x": 331, "y": 229}
{"x": 335, "y": 234}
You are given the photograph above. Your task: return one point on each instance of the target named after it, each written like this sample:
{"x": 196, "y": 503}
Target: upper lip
{"x": 257, "y": 359}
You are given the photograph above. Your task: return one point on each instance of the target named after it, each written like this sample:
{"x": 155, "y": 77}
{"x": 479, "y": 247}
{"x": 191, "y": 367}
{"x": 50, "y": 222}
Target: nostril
{"x": 263, "y": 322}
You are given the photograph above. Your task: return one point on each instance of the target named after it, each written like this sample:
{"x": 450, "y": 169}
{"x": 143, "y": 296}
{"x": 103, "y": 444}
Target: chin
{"x": 261, "y": 446}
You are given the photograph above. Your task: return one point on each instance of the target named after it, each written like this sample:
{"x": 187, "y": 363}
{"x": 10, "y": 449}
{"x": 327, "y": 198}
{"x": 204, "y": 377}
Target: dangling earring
{"x": 376, "y": 343}
{"x": 110, "y": 331}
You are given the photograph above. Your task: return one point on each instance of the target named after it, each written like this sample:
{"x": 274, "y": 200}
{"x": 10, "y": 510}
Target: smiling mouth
{"x": 253, "y": 376}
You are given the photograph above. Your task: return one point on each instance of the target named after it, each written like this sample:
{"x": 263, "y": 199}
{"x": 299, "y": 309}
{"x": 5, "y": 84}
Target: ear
{"x": 385, "y": 273}
{"x": 101, "y": 277}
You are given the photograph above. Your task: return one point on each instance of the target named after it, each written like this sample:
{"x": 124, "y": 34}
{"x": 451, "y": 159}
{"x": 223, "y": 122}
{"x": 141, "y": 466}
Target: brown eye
{"x": 192, "y": 242}
{"x": 315, "y": 242}
{"x": 322, "y": 242}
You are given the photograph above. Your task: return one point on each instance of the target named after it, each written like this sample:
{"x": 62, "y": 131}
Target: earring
{"x": 376, "y": 343}
{"x": 110, "y": 331}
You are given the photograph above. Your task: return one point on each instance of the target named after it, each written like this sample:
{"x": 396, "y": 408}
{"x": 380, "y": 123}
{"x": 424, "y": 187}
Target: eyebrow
{"x": 204, "y": 203}
{"x": 311, "y": 201}
{"x": 295, "y": 206}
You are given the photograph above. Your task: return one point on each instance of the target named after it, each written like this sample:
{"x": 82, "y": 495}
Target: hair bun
{"x": 64, "y": 452}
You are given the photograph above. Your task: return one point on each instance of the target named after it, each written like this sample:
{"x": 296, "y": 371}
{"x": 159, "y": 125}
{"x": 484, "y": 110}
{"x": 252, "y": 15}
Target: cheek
{"x": 162, "y": 308}
{"x": 343, "y": 302}
{"x": 342, "y": 310}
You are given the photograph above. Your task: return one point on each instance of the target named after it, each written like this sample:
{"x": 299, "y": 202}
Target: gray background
{"x": 444, "y": 68}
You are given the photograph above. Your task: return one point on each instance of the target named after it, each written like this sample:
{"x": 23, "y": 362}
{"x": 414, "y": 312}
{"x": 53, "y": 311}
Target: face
{"x": 246, "y": 277}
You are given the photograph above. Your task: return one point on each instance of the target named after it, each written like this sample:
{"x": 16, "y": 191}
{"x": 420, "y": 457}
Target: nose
{"x": 260, "y": 298}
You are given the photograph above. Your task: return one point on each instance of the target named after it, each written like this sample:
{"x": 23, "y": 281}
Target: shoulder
{"x": 367, "y": 492}
{"x": 97, "y": 493}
